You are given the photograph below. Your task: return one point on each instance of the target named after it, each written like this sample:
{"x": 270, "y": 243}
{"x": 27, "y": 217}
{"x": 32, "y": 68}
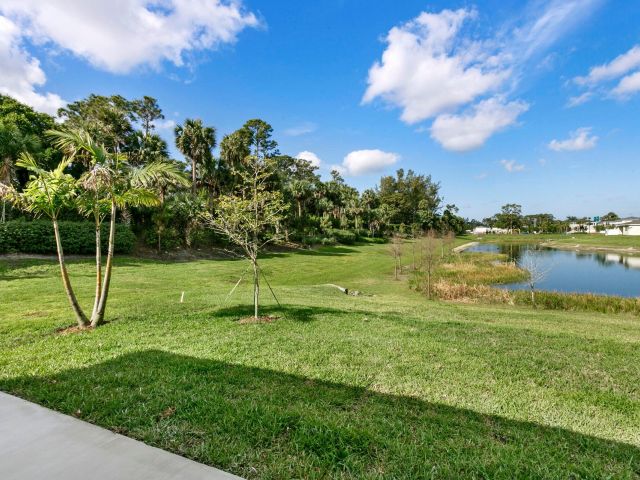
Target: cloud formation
{"x": 117, "y": 36}
{"x": 470, "y": 130}
{"x": 360, "y": 162}
{"x": 580, "y": 139}
{"x": 310, "y": 157}
{"x": 512, "y": 166}
{"x": 21, "y": 73}
{"x": 121, "y": 35}
{"x": 433, "y": 67}
{"x": 302, "y": 129}
{"x": 625, "y": 69}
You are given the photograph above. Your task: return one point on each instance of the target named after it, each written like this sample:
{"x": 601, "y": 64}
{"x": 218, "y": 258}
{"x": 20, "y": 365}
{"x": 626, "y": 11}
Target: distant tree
{"x": 13, "y": 142}
{"x": 143, "y": 149}
{"x": 510, "y": 216}
{"x": 107, "y": 119}
{"x": 411, "y": 197}
{"x": 450, "y": 220}
{"x": 196, "y": 142}
{"x": 609, "y": 217}
{"x": 146, "y": 111}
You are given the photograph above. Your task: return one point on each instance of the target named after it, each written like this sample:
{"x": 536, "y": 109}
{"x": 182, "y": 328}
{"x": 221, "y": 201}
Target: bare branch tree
{"x": 428, "y": 246}
{"x": 395, "y": 249}
{"x": 537, "y": 272}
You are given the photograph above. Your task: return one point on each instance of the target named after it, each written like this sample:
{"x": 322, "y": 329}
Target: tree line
{"x": 315, "y": 209}
{"x": 510, "y": 218}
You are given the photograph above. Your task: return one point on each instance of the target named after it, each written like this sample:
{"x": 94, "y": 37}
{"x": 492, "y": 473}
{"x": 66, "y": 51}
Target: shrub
{"x": 78, "y": 238}
{"x": 345, "y": 237}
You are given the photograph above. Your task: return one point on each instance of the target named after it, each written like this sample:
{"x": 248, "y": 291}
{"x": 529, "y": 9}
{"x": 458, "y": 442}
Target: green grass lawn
{"x": 382, "y": 386}
{"x": 596, "y": 240}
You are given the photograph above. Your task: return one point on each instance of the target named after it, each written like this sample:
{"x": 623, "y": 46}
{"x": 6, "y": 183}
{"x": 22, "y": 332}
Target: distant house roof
{"x": 626, "y": 221}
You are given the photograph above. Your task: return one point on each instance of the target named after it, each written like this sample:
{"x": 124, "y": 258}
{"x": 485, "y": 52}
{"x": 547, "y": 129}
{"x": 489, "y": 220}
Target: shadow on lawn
{"x": 296, "y": 313}
{"x": 265, "y": 424}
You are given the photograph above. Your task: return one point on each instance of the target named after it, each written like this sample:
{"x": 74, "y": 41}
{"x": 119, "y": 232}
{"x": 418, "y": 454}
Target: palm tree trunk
{"x": 96, "y": 300}
{"x": 81, "y": 318}
{"x": 193, "y": 175}
{"x": 98, "y": 317}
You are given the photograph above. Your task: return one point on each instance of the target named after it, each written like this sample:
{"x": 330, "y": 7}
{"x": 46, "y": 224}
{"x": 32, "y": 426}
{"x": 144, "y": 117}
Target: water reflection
{"x": 571, "y": 271}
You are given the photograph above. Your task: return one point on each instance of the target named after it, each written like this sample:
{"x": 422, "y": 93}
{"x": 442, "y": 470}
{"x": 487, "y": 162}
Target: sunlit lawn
{"x": 386, "y": 385}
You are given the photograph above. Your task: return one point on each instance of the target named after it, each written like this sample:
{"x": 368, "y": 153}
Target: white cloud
{"x": 579, "y": 139}
{"x": 21, "y": 73}
{"x": 432, "y": 67}
{"x": 426, "y": 72}
{"x": 512, "y": 166}
{"x": 471, "y": 130}
{"x": 310, "y": 157}
{"x": 625, "y": 67}
{"x": 121, "y": 35}
{"x": 616, "y": 68}
{"x": 302, "y": 129}
{"x": 360, "y": 162}
{"x": 481, "y": 176}
{"x": 627, "y": 86}
{"x": 167, "y": 124}
{"x": 579, "y": 99}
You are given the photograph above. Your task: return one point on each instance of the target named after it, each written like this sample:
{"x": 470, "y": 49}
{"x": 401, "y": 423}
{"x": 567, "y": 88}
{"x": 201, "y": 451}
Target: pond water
{"x": 570, "y": 271}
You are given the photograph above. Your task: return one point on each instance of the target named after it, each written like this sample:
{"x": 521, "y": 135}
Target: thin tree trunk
{"x": 256, "y": 288}
{"x": 4, "y": 211}
{"x": 98, "y": 318}
{"x": 96, "y": 301}
{"x": 81, "y": 318}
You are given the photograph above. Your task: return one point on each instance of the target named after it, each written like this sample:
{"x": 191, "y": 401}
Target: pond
{"x": 571, "y": 271}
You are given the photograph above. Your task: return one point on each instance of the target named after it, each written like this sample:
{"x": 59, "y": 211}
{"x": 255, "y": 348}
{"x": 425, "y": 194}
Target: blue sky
{"x": 501, "y": 101}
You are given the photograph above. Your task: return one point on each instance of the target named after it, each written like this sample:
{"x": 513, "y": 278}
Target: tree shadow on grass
{"x": 261, "y": 423}
{"x": 295, "y": 313}
{"x": 314, "y": 252}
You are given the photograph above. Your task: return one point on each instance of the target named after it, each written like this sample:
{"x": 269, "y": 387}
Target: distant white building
{"x": 624, "y": 226}
{"x": 487, "y": 230}
{"x": 585, "y": 227}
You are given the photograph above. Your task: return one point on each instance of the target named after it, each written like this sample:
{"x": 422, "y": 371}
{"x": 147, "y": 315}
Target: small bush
{"x": 345, "y": 237}
{"x": 328, "y": 241}
{"x": 78, "y": 238}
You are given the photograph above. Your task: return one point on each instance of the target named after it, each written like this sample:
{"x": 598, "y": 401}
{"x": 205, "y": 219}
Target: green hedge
{"x": 78, "y": 238}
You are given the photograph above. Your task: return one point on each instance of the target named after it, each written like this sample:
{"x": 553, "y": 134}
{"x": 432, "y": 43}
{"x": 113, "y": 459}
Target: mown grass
{"x": 583, "y": 240}
{"x": 385, "y": 385}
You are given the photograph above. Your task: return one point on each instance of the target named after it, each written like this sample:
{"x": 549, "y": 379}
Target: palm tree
{"x": 196, "y": 142}
{"x": 12, "y": 143}
{"x": 111, "y": 183}
{"x": 48, "y": 193}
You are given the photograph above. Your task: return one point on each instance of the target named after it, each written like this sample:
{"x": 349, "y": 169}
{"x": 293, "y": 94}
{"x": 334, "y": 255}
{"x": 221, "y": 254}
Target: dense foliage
{"x": 78, "y": 238}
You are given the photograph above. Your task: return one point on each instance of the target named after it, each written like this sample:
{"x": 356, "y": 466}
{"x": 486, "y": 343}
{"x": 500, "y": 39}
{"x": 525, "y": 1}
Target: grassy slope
{"x": 382, "y": 386}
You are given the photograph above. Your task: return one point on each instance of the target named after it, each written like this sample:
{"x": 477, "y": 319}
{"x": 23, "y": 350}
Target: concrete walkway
{"x": 38, "y": 443}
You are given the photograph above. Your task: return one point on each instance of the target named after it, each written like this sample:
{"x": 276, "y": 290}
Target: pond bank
{"x": 579, "y": 247}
